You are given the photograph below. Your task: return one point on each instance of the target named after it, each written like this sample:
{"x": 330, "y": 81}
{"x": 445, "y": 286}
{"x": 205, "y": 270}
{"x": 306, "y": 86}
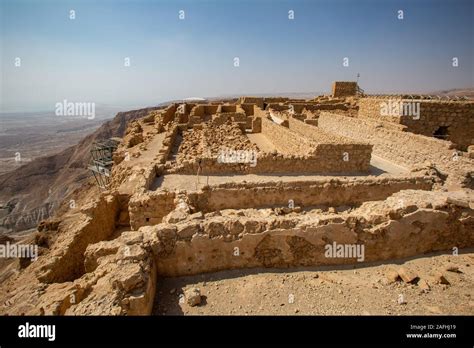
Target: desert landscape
{"x": 242, "y": 171}
{"x": 345, "y": 203}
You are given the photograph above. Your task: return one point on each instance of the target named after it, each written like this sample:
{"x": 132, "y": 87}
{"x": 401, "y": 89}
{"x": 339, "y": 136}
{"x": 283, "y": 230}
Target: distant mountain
{"x": 33, "y": 191}
{"x": 457, "y": 92}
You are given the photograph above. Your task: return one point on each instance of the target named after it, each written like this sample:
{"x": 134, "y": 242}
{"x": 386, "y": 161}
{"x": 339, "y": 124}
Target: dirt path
{"x": 324, "y": 291}
{"x": 146, "y": 158}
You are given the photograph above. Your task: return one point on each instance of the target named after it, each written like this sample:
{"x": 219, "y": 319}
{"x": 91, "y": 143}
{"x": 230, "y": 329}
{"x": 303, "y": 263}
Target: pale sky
{"x": 82, "y": 59}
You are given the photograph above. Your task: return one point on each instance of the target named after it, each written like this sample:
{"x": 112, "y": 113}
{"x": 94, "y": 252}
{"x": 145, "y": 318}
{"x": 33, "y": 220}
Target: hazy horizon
{"x": 83, "y": 59}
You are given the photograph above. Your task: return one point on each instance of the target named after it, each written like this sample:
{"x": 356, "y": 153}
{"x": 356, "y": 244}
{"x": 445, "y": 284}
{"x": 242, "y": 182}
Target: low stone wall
{"x": 325, "y": 152}
{"x": 332, "y": 192}
{"x": 149, "y": 208}
{"x": 408, "y": 223}
{"x": 328, "y": 159}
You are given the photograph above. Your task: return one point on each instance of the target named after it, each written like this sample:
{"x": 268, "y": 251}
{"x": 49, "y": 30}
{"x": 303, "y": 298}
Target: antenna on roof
{"x": 358, "y": 75}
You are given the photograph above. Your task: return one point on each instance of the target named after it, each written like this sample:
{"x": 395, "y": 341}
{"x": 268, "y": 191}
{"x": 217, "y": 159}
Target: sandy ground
{"x": 342, "y": 290}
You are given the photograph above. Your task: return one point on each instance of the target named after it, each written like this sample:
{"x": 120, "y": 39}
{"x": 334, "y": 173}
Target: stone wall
{"x": 456, "y": 116}
{"x": 408, "y": 149}
{"x": 320, "y": 136}
{"x": 333, "y": 153}
{"x": 295, "y": 153}
{"x": 248, "y": 109}
{"x": 149, "y": 208}
{"x": 328, "y": 160}
{"x": 168, "y": 114}
{"x": 252, "y": 100}
{"x": 332, "y": 192}
{"x": 286, "y": 141}
{"x": 409, "y": 223}
{"x": 344, "y": 88}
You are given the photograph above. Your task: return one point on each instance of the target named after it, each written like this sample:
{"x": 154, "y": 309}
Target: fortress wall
{"x": 458, "y": 116}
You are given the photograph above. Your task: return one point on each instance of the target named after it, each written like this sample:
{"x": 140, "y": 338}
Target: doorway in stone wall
{"x": 442, "y": 133}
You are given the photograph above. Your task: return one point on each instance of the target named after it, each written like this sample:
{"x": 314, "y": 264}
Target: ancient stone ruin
{"x": 259, "y": 182}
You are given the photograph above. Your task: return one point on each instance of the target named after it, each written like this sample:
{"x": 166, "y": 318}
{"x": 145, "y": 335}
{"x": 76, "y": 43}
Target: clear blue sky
{"x": 83, "y": 59}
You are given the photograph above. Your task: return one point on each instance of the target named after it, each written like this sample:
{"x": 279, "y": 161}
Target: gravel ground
{"x": 343, "y": 290}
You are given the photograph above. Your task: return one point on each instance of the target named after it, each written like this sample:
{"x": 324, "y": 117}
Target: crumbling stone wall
{"x": 149, "y": 208}
{"x": 167, "y": 144}
{"x": 202, "y": 112}
{"x": 168, "y": 114}
{"x": 408, "y": 223}
{"x": 206, "y": 143}
{"x": 66, "y": 260}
